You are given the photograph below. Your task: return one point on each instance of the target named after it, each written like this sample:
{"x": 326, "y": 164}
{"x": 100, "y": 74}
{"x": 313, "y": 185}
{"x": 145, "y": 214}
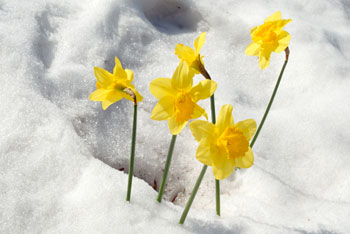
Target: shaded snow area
{"x": 64, "y": 161}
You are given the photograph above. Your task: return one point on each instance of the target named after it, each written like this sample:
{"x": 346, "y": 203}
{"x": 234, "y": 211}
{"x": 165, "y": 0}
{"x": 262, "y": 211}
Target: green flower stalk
{"x": 272, "y": 98}
{"x": 217, "y": 182}
{"x": 166, "y": 169}
{"x": 132, "y": 151}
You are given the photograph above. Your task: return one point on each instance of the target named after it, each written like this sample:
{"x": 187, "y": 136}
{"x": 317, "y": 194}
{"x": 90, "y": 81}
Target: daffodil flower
{"x": 267, "y": 38}
{"x": 178, "y": 98}
{"x": 113, "y": 87}
{"x": 224, "y": 145}
{"x": 192, "y": 57}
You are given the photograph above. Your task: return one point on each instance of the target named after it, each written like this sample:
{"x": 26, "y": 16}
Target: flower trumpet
{"x": 178, "y": 98}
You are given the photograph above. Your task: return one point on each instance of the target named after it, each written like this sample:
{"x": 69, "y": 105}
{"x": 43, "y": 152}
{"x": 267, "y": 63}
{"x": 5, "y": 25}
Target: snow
{"x": 62, "y": 156}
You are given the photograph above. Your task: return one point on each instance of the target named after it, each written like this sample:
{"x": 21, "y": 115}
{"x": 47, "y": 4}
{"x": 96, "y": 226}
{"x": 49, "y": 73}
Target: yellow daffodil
{"x": 113, "y": 87}
{"x": 192, "y": 57}
{"x": 224, "y": 145}
{"x": 267, "y": 38}
{"x": 178, "y": 98}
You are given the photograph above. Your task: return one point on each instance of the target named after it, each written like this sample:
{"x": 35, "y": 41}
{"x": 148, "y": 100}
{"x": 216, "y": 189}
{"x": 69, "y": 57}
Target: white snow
{"x": 60, "y": 153}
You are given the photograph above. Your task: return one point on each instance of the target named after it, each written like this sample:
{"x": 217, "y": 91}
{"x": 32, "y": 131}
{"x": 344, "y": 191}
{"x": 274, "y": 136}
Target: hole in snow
{"x": 171, "y": 16}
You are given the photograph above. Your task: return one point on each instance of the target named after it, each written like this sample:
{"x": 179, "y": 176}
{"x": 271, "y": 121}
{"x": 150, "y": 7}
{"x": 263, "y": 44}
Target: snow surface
{"x": 61, "y": 154}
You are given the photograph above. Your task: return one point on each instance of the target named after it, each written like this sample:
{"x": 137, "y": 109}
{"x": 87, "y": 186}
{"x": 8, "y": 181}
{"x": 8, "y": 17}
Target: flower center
{"x": 265, "y": 34}
{"x": 118, "y": 85}
{"x": 233, "y": 142}
{"x": 184, "y": 107}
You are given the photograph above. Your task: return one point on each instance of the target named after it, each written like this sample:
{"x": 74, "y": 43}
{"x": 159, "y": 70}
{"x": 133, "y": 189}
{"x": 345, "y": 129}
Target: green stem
{"x": 269, "y": 105}
{"x": 166, "y": 169}
{"x": 217, "y": 187}
{"x": 212, "y": 105}
{"x": 217, "y": 182}
{"x": 132, "y": 154}
{"x": 193, "y": 194}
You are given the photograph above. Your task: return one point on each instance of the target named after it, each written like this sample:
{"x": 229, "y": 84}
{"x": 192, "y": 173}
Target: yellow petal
{"x": 283, "y": 41}
{"x": 183, "y": 77}
{"x": 264, "y": 58}
{"x": 185, "y": 53}
{"x": 106, "y": 104}
{"x": 203, "y": 154}
{"x": 204, "y": 89}
{"x": 198, "y": 112}
{"x": 253, "y": 30}
{"x": 112, "y": 97}
{"x": 246, "y": 161}
{"x": 247, "y": 127}
{"x": 225, "y": 117}
{"x": 139, "y": 97}
{"x": 103, "y": 77}
{"x": 120, "y": 74}
{"x": 252, "y": 49}
{"x": 195, "y": 66}
{"x": 99, "y": 95}
{"x": 117, "y": 66}
{"x": 118, "y": 71}
{"x": 199, "y": 42}
{"x": 176, "y": 128}
{"x": 164, "y": 109}
{"x": 274, "y": 17}
{"x": 222, "y": 166}
{"x": 202, "y": 130}
{"x": 162, "y": 87}
{"x": 129, "y": 75}
{"x": 201, "y": 60}
{"x": 280, "y": 24}
{"x": 205, "y": 115}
